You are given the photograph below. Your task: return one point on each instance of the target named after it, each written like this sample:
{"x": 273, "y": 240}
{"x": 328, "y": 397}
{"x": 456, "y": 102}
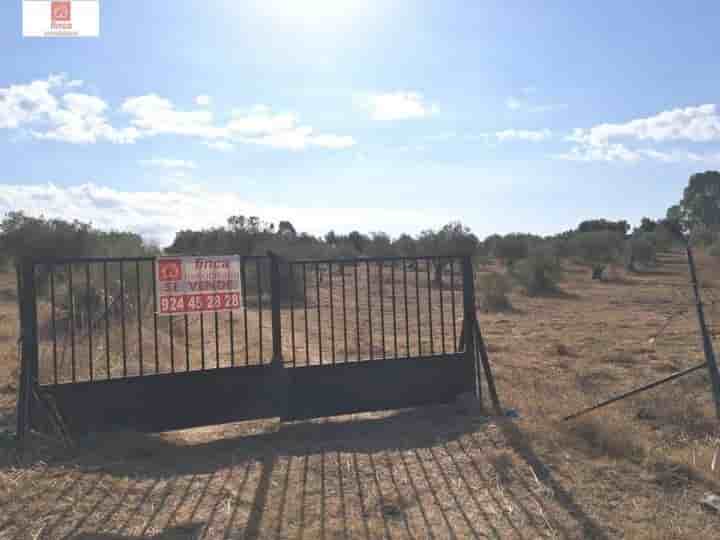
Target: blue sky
{"x": 370, "y": 115}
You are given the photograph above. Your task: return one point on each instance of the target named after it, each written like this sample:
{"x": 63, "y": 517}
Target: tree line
{"x": 597, "y": 242}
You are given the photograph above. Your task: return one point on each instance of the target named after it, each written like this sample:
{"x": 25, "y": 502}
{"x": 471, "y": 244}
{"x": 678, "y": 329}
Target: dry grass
{"x": 636, "y": 469}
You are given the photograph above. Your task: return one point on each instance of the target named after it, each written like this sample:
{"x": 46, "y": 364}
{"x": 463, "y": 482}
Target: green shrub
{"x": 481, "y": 261}
{"x": 538, "y": 274}
{"x": 663, "y": 238}
{"x": 510, "y": 248}
{"x": 494, "y": 289}
{"x": 702, "y": 236}
{"x": 599, "y": 247}
{"x": 714, "y": 250}
{"x": 640, "y": 250}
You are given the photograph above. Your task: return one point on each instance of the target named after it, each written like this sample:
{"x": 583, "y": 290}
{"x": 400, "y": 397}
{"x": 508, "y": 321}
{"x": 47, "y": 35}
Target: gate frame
{"x": 29, "y": 398}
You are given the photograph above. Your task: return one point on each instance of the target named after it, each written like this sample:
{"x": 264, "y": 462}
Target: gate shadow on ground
{"x": 153, "y": 455}
{"x": 523, "y": 447}
{"x": 182, "y": 532}
{"x": 426, "y": 472}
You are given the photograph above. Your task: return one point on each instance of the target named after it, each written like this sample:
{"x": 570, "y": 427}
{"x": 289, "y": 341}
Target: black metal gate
{"x": 312, "y": 338}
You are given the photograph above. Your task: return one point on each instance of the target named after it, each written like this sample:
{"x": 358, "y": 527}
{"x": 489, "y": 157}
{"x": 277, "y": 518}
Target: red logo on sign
{"x": 60, "y": 11}
{"x": 170, "y": 270}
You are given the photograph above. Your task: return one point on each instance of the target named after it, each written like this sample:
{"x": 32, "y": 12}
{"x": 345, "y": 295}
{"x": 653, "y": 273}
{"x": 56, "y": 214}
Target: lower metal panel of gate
{"x": 316, "y": 391}
{"x": 169, "y": 401}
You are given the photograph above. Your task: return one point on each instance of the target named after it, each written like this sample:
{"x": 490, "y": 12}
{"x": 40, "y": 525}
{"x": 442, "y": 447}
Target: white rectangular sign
{"x": 61, "y": 18}
{"x": 198, "y": 284}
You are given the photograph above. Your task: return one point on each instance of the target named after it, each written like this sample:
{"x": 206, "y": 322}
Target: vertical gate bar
{"x": 187, "y": 342}
{"x": 277, "y": 358}
{"x": 171, "y": 326}
{"x": 138, "y": 307}
{"x": 21, "y": 427}
{"x": 382, "y": 305}
{"x": 291, "y": 276}
{"x": 317, "y": 294}
{"x": 357, "y": 312}
{"x": 307, "y": 333}
{"x": 51, "y": 270}
{"x": 217, "y": 340}
{"x": 232, "y": 340}
{"x": 155, "y": 317}
{"x": 30, "y": 353}
{"x": 260, "y": 307}
{"x": 442, "y": 310}
{"x": 122, "y": 317}
{"x": 417, "y": 303}
{"x": 452, "y": 298}
{"x": 332, "y": 313}
{"x": 369, "y": 305}
{"x": 430, "y": 321}
{"x": 72, "y": 321}
{"x": 245, "y": 321}
{"x": 469, "y": 315}
{"x": 407, "y": 314}
{"x": 89, "y": 318}
{"x": 345, "y": 335}
{"x": 394, "y": 314}
{"x": 202, "y": 340}
{"x": 107, "y": 319}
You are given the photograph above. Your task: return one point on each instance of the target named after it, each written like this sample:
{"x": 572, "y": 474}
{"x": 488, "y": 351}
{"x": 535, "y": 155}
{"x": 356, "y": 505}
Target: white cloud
{"x": 261, "y": 126}
{"x": 523, "y": 135}
{"x": 607, "y": 152}
{"x": 516, "y": 103}
{"x": 513, "y": 103}
{"x": 73, "y": 117}
{"x": 154, "y": 115}
{"x": 81, "y": 119}
{"x": 260, "y": 120}
{"x": 441, "y": 137}
{"x": 46, "y": 112}
{"x": 506, "y": 135}
{"x": 158, "y": 215}
{"x": 696, "y": 124}
{"x": 610, "y": 141}
{"x": 23, "y": 103}
{"x": 332, "y": 141}
{"x": 399, "y": 106}
{"x": 166, "y": 163}
{"x": 203, "y": 100}
{"x": 620, "y": 152}
{"x": 222, "y": 146}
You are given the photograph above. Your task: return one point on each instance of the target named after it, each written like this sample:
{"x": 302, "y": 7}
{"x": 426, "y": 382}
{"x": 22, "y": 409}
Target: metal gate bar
{"x": 371, "y": 325}
{"x": 99, "y": 321}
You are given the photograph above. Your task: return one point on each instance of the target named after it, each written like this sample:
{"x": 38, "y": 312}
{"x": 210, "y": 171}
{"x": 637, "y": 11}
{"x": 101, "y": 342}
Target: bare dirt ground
{"x": 636, "y": 469}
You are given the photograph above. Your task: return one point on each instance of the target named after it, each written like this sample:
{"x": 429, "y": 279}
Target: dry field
{"x": 636, "y": 469}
